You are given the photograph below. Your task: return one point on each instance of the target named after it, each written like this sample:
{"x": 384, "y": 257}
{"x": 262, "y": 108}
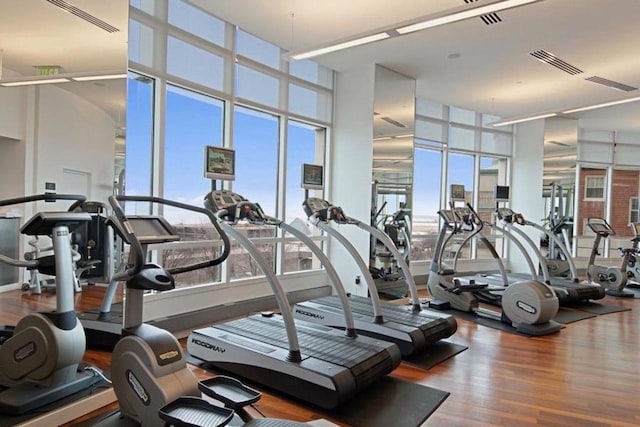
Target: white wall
{"x": 71, "y": 134}
{"x": 350, "y": 166}
{"x": 12, "y": 119}
{"x": 526, "y": 184}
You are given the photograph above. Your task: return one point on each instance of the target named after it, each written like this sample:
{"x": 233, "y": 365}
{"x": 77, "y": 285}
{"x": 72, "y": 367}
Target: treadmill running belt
{"x": 340, "y": 350}
{"x": 391, "y": 312}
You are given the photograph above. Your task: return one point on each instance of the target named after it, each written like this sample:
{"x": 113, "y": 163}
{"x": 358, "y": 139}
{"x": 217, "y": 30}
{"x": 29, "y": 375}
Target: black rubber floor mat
{"x": 599, "y": 308}
{"x": 435, "y": 354}
{"x": 567, "y": 315}
{"x": 390, "y": 402}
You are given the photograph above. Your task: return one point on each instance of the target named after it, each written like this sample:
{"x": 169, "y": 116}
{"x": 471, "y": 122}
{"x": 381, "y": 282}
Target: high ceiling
{"x": 491, "y": 69}
{"x": 36, "y": 32}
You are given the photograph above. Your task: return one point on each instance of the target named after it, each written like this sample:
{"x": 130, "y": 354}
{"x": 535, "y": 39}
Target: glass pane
{"x": 490, "y": 118}
{"x": 493, "y": 171}
{"x": 144, "y": 5}
{"x": 256, "y": 86}
{"x": 196, "y": 21}
{"x": 309, "y": 103}
{"x": 192, "y": 122}
{"x": 139, "y": 141}
{"x": 462, "y": 138}
{"x": 259, "y": 50}
{"x": 241, "y": 264}
{"x": 624, "y": 208}
{"x": 595, "y": 152}
{"x": 312, "y": 72}
{"x": 427, "y": 179}
{"x": 180, "y": 257}
{"x": 496, "y": 143}
{"x": 256, "y": 145}
{"x": 460, "y": 115}
{"x": 596, "y": 135}
{"x": 192, "y": 63}
{"x": 305, "y": 144}
{"x": 425, "y": 107}
{"x": 435, "y": 131}
{"x": 140, "y": 43}
{"x": 460, "y": 171}
{"x": 592, "y": 182}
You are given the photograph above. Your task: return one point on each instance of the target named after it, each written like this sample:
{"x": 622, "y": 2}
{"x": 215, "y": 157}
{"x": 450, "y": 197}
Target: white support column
{"x": 526, "y": 183}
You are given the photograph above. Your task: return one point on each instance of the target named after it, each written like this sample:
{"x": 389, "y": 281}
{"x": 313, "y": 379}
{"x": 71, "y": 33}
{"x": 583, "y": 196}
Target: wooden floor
{"x": 586, "y": 375}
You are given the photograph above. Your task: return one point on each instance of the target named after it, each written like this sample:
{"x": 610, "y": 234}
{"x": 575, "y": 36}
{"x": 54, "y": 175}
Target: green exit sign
{"x": 48, "y": 70}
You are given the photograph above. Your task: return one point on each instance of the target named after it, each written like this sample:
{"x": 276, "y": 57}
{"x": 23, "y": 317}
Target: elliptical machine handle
{"x": 212, "y": 217}
{"x": 478, "y": 222}
{"x": 134, "y": 243}
{"x": 49, "y": 197}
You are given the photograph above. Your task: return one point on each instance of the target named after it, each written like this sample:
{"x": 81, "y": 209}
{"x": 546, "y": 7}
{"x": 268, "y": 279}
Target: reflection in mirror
{"x": 63, "y": 134}
{"x": 393, "y": 126}
{"x": 391, "y": 195}
{"x": 559, "y": 175}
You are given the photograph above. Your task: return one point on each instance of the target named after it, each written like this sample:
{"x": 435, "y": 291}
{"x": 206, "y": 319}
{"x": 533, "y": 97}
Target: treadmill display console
{"x": 448, "y": 216}
{"x": 222, "y": 199}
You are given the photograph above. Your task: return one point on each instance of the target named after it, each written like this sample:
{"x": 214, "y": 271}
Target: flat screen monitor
{"x": 502, "y": 193}
{"x": 312, "y": 177}
{"x": 219, "y": 163}
{"x": 457, "y": 192}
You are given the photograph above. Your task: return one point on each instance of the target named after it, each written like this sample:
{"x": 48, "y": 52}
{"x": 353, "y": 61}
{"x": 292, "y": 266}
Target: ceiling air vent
{"x": 68, "y": 7}
{"x": 393, "y": 122}
{"x": 551, "y": 59}
{"x": 611, "y": 84}
{"x": 489, "y": 18}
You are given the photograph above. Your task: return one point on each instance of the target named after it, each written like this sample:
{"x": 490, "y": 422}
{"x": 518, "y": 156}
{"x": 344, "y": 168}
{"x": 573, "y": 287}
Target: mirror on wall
{"x": 63, "y": 67}
{"x": 393, "y": 128}
{"x": 559, "y": 175}
{"x": 63, "y": 94}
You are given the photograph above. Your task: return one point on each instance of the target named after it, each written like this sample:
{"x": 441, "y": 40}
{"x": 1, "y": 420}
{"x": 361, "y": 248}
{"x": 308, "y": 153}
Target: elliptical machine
{"x": 39, "y": 363}
{"x": 528, "y": 305}
{"x": 613, "y": 279}
{"x": 150, "y": 376}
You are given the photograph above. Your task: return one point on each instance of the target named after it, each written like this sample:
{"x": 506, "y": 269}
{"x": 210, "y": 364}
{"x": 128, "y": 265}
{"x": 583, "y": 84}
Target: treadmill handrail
{"x": 276, "y": 287}
{"x": 364, "y": 269}
{"x": 331, "y": 272}
{"x": 388, "y": 243}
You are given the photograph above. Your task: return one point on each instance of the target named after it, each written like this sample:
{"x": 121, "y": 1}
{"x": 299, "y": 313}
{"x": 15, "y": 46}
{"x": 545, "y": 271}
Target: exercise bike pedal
{"x": 190, "y": 411}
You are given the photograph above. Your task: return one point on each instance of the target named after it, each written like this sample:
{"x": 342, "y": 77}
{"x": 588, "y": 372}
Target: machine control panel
{"x": 600, "y": 226}
{"x": 323, "y": 210}
{"x": 223, "y": 199}
{"x": 232, "y": 207}
{"x": 448, "y": 216}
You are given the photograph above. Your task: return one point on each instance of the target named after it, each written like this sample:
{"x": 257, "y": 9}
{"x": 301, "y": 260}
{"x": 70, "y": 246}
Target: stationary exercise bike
{"x": 150, "y": 376}
{"x": 630, "y": 263}
{"x": 613, "y": 279}
{"x": 39, "y": 363}
{"x": 528, "y": 305}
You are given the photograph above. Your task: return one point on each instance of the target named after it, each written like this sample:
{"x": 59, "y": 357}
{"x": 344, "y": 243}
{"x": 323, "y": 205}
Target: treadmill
{"x": 314, "y": 363}
{"x": 412, "y": 328}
